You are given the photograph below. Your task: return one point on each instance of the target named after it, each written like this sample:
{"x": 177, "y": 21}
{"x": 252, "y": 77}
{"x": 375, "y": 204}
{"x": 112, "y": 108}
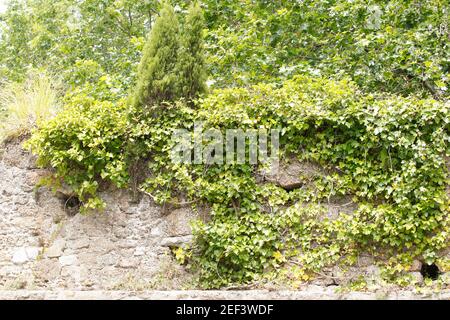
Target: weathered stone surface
{"x": 90, "y": 251}
{"x": 79, "y": 244}
{"x": 15, "y": 156}
{"x": 56, "y": 249}
{"x": 20, "y": 256}
{"x": 416, "y": 265}
{"x": 47, "y": 270}
{"x": 158, "y": 230}
{"x": 417, "y": 277}
{"x": 25, "y": 254}
{"x": 33, "y": 177}
{"x": 68, "y": 260}
{"x": 178, "y": 222}
{"x": 128, "y": 263}
{"x": 139, "y": 251}
{"x": 176, "y": 241}
{"x": 291, "y": 173}
{"x": 372, "y": 274}
{"x": 365, "y": 261}
{"x": 109, "y": 259}
{"x": 305, "y": 293}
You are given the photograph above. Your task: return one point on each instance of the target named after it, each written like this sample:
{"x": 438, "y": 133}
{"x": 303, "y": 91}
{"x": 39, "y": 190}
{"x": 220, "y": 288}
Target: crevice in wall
{"x": 430, "y": 271}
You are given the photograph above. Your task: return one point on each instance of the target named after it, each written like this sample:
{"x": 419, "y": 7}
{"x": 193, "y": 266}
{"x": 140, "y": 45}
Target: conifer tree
{"x": 157, "y": 78}
{"x": 191, "y": 62}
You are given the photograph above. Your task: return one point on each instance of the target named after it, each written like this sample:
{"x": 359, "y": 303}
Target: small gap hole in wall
{"x": 71, "y": 205}
{"x": 430, "y": 271}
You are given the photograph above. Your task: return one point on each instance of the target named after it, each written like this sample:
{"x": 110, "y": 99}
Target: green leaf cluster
{"x": 386, "y": 152}
{"x": 172, "y": 65}
{"x": 85, "y": 146}
{"x": 380, "y": 128}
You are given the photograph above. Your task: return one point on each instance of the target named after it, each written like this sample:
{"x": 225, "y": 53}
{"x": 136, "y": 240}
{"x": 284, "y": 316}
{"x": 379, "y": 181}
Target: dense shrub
{"x": 85, "y": 145}
{"x": 387, "y": 153}
{"x": 398, "y": 46}
{"x": 191, "y": 60}
{"x": 58, "y": 35}
{"x": 172, "y": 65}
{"x": 157, "y": 78}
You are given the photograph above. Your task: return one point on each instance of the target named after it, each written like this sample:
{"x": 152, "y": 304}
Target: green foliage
{"x": 157, "y": 78}
{"x": 386, "y": 152}
{"x": 84, "y": 144}
{"x": 59, "y": 34}
{"x": 14, "y": 43}
{"x": 389, "y": 153}
{"x": 381, "y": 127}
{"x": 24, "y": 105}
{"x": 172, "y": 65}
{"x": 391, "y": 46}
{"x": 191, "y": 58}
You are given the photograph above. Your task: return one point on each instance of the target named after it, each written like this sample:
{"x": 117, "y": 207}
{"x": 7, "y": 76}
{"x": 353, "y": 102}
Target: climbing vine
{"x": 387, "y": 153}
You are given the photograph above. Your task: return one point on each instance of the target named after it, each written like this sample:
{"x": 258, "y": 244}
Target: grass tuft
{"x": 25, "y": 105}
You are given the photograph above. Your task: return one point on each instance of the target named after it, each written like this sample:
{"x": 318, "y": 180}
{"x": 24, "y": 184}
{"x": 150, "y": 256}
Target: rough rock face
{"x": 41, "y": 246}
{"x": 292, "y": 174}
{"x": 311, "y": 292}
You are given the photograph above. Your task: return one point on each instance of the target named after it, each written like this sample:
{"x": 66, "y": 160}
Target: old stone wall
{"x": 43, "y": 246}
{"x": 311, "y": 292}
{"x": 49, "y": 250}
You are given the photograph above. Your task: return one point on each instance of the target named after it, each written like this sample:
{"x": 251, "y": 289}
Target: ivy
{"x": 380, "y": 128}
{"x": 85, "y": 145}
{"x": 389, "y": 155}
{"x": 386, "y": 152}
